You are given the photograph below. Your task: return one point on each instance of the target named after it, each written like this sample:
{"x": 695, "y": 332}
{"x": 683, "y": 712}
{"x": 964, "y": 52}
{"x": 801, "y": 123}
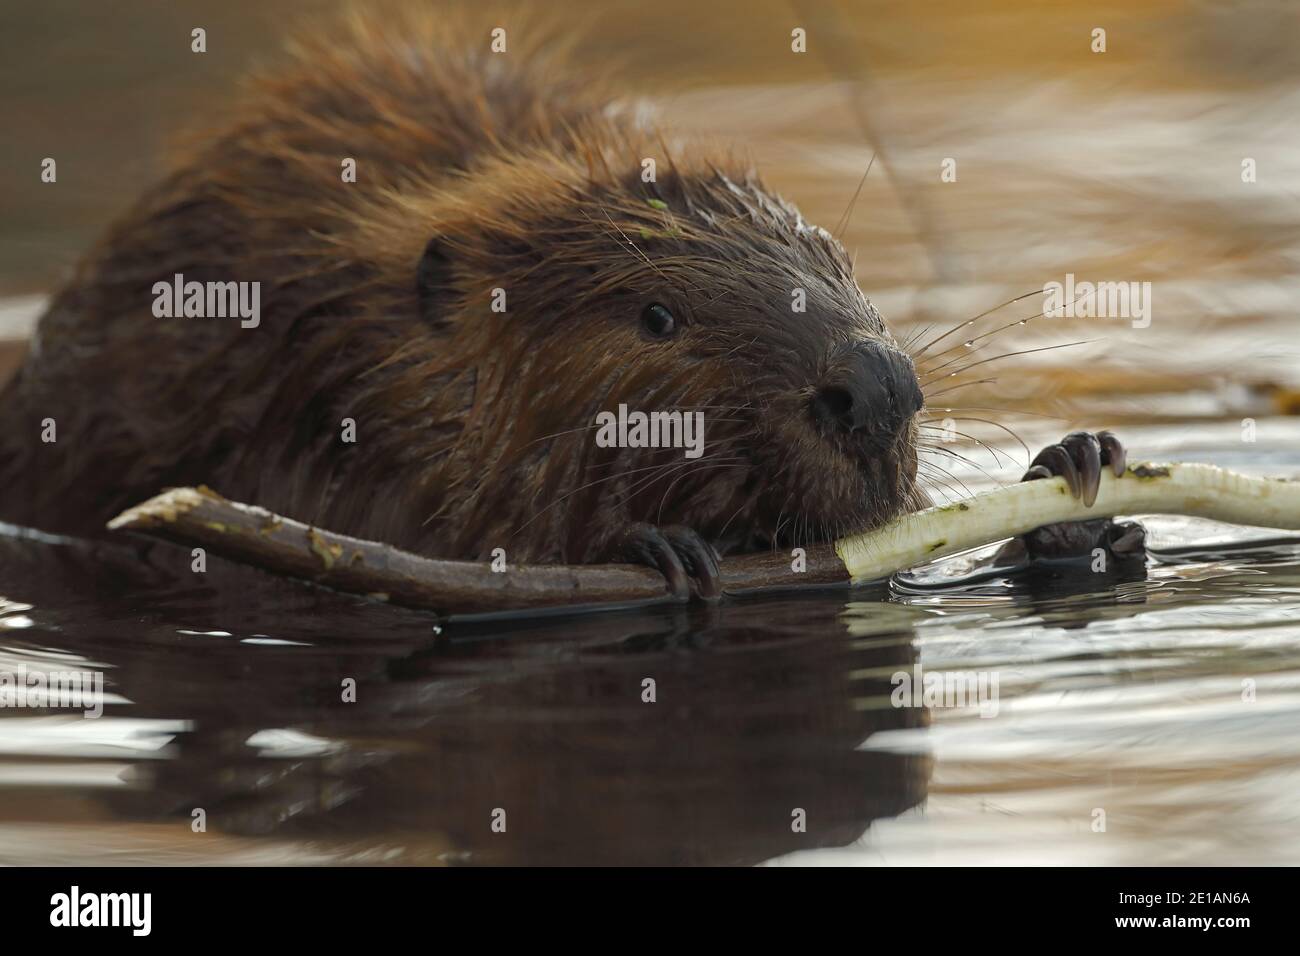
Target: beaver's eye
{"x": 658, "y": 321}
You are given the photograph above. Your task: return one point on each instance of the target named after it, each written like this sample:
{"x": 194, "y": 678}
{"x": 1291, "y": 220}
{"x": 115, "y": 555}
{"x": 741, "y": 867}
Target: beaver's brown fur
{"x": 476, "y": 171}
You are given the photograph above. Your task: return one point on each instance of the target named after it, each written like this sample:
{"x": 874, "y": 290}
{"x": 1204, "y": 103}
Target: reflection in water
{"x": 1127, "y": 697}
{"x": 754, "y": 719}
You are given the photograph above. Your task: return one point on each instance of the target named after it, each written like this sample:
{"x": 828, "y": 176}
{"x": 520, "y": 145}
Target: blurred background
{"x": 1122, "y": 166}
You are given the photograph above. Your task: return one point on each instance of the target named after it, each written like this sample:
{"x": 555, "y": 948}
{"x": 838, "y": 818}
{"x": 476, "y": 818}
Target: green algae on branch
{"x": 162, "y": 509}
{"x": 327, "y": 552}
{"x": 1148, "y": 471}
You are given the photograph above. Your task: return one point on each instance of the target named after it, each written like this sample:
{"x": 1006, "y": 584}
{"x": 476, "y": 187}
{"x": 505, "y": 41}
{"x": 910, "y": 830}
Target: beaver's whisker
{"x": 743, "y": 421}
{"x": 780, "y": 522}
{"x": 908, "y": 340}
{"x": 939, "y": 483}
{"x": 991, "y": 408}
{"x": 1006, "y": 428}
{"x": 944, "y": 391}
{"x": 722, "y": 408}
{"x": 727, "y": 523}
{"x": 567, "y": 431}
{"x": 681, "y": 408}
{"x": 995, "y": 358}
{"x": 721, "y": 447}
{"x": 668, "y": 468}
{"x": 590, "y": 484}
{"x": 996, "y": 453}
{"x": 1041, "y": 313}
{"x": 843, "y": 222}
{"x": 933, "y": 342}
{"x": 989, "y": 448}
{"x": 935, "y": 465}
{"x": 690, "y": 473}
{"x": 942, "y": 495}
{"x": 970, "y": 343}
{"x": 940, "y": 449}
{"x": 661, "y": 470}
{"x": 1009, "y": 431}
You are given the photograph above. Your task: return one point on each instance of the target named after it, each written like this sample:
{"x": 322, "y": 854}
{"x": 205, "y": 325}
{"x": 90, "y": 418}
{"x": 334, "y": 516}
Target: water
{"x": 1164, "y": 707}
{"x": 1128, "y": 698}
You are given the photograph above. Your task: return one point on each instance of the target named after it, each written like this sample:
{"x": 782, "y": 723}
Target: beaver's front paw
{"x": 1079, "y": 458}
{"x": 678, "y": 553}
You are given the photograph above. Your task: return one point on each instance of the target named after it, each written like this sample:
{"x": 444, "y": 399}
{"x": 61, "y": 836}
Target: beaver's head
{"x": 571, "y": 288}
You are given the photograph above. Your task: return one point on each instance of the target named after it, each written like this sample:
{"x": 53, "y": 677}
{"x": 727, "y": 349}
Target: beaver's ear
{"x": 433, "y": 281}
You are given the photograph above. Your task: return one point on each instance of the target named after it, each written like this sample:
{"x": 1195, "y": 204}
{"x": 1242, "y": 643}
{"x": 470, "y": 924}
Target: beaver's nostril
{"x": 869, "y": 388}
{"x": 834, "y": 406}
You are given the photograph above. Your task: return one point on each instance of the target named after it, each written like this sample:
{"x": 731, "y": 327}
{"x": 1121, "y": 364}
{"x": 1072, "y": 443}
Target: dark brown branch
{"x": 254, "y": 536}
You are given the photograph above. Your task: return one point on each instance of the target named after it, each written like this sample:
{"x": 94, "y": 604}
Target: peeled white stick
{"x": 1202, "y": 491}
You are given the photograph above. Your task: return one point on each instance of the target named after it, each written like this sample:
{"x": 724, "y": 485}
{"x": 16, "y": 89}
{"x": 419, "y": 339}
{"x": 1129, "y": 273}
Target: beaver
{"x": 517, "y": 251}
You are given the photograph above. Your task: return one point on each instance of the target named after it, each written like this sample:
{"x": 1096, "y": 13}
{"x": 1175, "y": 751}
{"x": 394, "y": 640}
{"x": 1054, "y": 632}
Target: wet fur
{"x": 476, "y": 171}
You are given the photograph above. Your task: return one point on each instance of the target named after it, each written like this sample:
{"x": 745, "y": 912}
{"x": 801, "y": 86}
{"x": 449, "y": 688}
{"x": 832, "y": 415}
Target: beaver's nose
{"x": 868, "y": 387}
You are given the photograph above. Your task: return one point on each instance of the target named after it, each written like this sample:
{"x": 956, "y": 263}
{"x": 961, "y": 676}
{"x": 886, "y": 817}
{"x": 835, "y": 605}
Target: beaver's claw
{"x": 678, "y": 553}
{"x": 1079, "y": 458}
